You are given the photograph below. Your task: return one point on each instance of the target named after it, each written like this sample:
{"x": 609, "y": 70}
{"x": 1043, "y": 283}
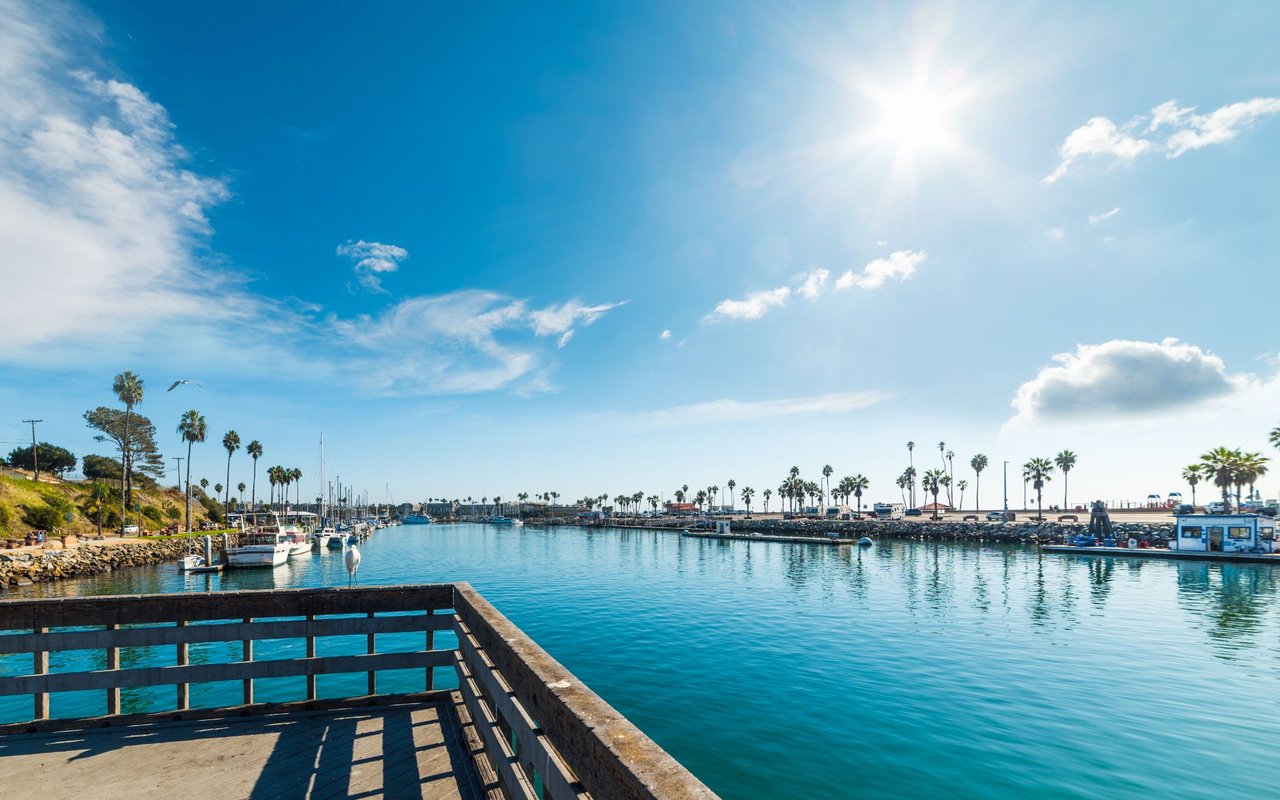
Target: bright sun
{"x": 914, "y": 120}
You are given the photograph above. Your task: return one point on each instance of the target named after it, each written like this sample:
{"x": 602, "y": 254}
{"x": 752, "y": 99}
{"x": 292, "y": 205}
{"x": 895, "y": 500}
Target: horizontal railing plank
{"x": 227, "y": 632}
{"x": 517, "y": 784}
{"x": 67, "y": 612}
{"x": 230, "y": 671}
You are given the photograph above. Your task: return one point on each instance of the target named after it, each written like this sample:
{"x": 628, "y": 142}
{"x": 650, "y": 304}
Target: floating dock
{"x": 764, "y": 537}
{"x": 1157, "y": 552}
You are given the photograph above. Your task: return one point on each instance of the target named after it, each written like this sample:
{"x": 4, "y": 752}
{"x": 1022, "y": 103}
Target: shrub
{"x": 44, "y": 518}
{"x": 152, "y": 513}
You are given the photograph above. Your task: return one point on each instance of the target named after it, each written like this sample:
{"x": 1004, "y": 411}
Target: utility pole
{"x": 1006, "y": 487}
{"x": 35, "y": 455}
{"x": 179, "y": 459}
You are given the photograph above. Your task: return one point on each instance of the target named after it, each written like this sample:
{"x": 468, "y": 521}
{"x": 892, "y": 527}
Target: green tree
{"x": 240, "y": 488}
{"x": 857, "y": 485}
{"x": 230, "y": 442}
{"x": 978, "y": 463}
{"x": 827, "y": 472}
{"x": 1065, "y": 461}
{"x": 53, "y": 459}
{"x": 97, "y": 501}
{"x": 747, "y": 494}
{"x": 255, "y": 452}
{"x": 1221, "y": 464}
{"x": 931, "y": 482}
{"x": 961, "y": 484}
{"x": 42, "y": 517}
{"x": 1192, "y": 474}
{"x": 766, "y": 495}
{"x": 192, "y": 428}
{"x": 1037, "y": 472}
{"x": 731, "y": 484}
{"x": 1252, "y": 466}
{"x": 129, "y": 389}
{"x": 951, "y": 474}
{"x": 911, "y": 465}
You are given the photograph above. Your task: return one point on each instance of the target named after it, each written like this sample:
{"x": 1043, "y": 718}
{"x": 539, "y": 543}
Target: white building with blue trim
{"x": 1225, "y": 533}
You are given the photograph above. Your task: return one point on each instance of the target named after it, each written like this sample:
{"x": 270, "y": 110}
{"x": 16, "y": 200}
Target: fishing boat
{"x": 322, "y": 538}
{"x": 264, "y": 545}
{"x": 416, "y": 519}
{"x": 297, "y": 529}
{"x": 500, "y": 520}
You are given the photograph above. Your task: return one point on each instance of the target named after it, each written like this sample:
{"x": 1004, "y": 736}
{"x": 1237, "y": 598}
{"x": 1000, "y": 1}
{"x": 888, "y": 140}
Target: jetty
{"x": 519, "y": 724}
{"x": 765, "y": 537}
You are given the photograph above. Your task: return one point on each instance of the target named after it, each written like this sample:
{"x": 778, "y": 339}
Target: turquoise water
{"x": 909, "y": 670}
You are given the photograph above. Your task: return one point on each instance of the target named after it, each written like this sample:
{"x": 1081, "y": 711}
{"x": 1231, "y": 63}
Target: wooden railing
{"x": 544, "y": 733}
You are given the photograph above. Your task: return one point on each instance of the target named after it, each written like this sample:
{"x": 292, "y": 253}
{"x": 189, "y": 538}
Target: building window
{"x": 1266, "y": 534}
{"x": 1240, "y": 532}
{"x": 1191, "y": 531}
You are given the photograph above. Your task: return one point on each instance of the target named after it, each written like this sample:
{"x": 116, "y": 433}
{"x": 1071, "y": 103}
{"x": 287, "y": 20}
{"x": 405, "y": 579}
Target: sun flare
{"x": 915, "y": 120}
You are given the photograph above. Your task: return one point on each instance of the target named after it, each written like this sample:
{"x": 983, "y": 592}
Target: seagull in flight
{"x": 176, "y": 384}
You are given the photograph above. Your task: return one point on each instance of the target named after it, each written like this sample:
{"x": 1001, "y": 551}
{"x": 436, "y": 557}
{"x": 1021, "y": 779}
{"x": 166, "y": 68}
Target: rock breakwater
{"x": 21, "y": 567}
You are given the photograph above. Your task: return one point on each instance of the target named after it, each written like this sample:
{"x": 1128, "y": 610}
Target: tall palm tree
{"x": 911, "y": 463}
{"x": 295, "y": 475}
{"x": 1065, "y": 461}
{"x": 129, "y": 389}
{"x": 961, "y": 484}
{"x": 1221, "y": 464}
{"x": 231, "y": 442}
{"x": 978, "y": 463}
{"x": 747, "y": 494}
{"x": 826, "y": 477}
{"x": 1037, "y": 471}
{"x": 255, "y": 452}
{"x": 767, "y": 493}
{"x": 942, "y": 448}
{"x": 1252, "y": 466}
{"x": 193, "y": 428}
{"x": 857, "y": 485}
{"x": 931, "y": 482}
{"x": 240, "y": 487}
{"x": 951, "y": 473}
{"x": 732, "y": 484}
{"x": 1192, "y": 474}
{"x": 902, "y": 486}
{"x": 1274, "y": 437}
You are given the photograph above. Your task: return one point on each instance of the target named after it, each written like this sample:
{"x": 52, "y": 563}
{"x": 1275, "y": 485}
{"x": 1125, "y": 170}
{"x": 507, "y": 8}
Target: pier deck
{"x": 399, "y": 750}
{"x": 1157, "y": 552}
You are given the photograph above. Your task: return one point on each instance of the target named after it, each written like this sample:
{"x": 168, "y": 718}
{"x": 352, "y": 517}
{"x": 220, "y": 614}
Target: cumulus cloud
{"x": 900, "y": 264}
{"x": 729, "y": 410}
{"x": 665, "y": 335}
{"x": 1094, "y": 219}
{"x": 753, "y": 306}
{"x": 371, "y": 260}
{"x": 1123, "y": 377}
{"x": 812, "y": 283}
{"x": 1182, "y": 130}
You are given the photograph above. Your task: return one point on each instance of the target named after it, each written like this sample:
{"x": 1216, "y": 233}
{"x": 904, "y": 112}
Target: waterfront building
{"x": 1225, "y": 533}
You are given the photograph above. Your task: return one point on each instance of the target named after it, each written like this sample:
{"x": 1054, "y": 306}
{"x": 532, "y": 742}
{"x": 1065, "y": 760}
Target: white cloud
{"x": 900, "y": 264}
{"x": 1219, "y": 126}
{"x": 1183, "y": 129}
{"x": 664, "y": 335}
{"x": 563, "y": 319}
{"x": 1094, "y": 219}
{"x": 812, "y": 283}
{"x": 1097, "y": 137}
{"x": 728, "y": 410}
{"x": 1056, "y": 233}
{"x": 753, "y": 306}
{"x": 1123, "y": 377}
{"x": 372, "y": 259}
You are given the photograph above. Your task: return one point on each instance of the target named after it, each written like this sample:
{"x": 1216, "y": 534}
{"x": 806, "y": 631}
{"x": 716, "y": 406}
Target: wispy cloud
{"x": 1123, "y": 377}
{"x": 561, "y": 320}
{"x": 753, "y": 306}
{"x": 812, "y": 283}
{"x": 1056, "y": 233}
{"x": 729, "y": 410}
{"x": 900, "y": 264}
{"x": 372, "y": 259}
{"x": 1094, "y": 219}
{"x": 1182, "y": 130}
{"x": 666, "y": 334}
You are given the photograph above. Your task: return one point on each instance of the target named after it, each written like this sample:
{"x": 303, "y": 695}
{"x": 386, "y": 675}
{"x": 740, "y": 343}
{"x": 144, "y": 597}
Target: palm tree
{"x": 240, "y": 487}
{"x": 910, "y": 476}
{"x": 1274, "y": 437}
{"x": 230, "y": 441}
{"x": 1192, "y": 474}
{"x": 857, "y": 485}
{"x": 680, "y": 496}
{"x": 942, "y": 447}
{"x": 129, "y": 389}
{"x": 1252, "y": 466}
{"x": 767, "y": 494}
{"x": 978, "y": 463}
{"x": 931, "y": 482}
{"x": 217, "y": 490}
{"x": 731, "y": 484}
{"x": 1065, "y": 461}
{"x": 1037, "y": 471}
{"x": 204, "y": 483}
{"x": 1222, "y": 463}
{"x": 911, "y": 463}
{"x": 192, "y": 428}
{"x": 255, "y": 452}
{"x": 99, "y": 497}
{"x": 747, "y": 494}
{"x": 826, "y": 476}
{"x": 902, "y": 486}
{"x": 961, "y": 484}
{"x": 951, "y": 473}
{"x": 296, "y": 476}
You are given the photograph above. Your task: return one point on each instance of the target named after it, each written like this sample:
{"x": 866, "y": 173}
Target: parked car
{"x": 1216, "y": 507}
{"x": 995, "y": 516}
{"x": 130, "y": 530}
{"x": 1184, "y": 508}
{"x": 914, "y": 512}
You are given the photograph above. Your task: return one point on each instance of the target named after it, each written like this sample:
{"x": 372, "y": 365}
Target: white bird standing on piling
{"x": 352, "y": 559}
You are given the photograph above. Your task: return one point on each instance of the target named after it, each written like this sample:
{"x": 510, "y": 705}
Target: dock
{"x": 1158, "y": 552}
{"x": 519, "y": 725}
{"x": 764, "y": 537}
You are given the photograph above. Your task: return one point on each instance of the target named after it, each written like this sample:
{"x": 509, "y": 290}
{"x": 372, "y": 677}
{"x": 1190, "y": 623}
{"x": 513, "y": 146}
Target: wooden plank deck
{"x": 390, "y": 751}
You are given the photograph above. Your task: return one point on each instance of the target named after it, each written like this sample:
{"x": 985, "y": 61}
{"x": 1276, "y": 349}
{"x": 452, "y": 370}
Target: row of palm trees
{"x": 1229, "y": 469}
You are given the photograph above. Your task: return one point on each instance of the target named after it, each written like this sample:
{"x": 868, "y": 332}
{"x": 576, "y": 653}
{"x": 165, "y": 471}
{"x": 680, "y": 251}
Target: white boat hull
{"x": 258, "y": 555}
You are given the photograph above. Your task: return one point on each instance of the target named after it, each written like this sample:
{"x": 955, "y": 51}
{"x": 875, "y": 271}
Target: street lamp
{"x": 35, "y": 456}
{"x": 1006, "y": 487}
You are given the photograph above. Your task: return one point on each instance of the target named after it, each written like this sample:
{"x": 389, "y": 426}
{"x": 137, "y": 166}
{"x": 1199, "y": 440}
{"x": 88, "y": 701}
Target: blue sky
{"x": 593, "y": 248}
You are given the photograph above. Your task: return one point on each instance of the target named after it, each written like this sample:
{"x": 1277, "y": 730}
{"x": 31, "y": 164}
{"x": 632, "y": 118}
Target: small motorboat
{"x": 865, "y": 541}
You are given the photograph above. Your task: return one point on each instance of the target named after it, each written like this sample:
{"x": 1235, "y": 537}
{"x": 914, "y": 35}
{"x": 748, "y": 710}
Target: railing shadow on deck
{"x": 536, "y": 729}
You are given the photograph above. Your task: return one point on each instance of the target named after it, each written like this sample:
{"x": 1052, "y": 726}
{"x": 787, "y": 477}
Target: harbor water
{"x": 905, "y": 670}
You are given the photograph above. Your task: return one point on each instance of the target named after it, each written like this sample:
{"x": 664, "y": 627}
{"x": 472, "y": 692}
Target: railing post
{"x": 431, "y": 645}
{"x": 113, "y": 662}
{"x": 373, "y": 676}
{"x": 248, "y": 657}
{"x": 40, "y": 666}
{"x": 311, "y": 653}
{"x": 184, "y": 693}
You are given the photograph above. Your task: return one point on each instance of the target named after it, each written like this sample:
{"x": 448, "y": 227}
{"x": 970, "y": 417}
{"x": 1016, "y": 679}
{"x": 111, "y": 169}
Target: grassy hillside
{"x": 20, "y": 498}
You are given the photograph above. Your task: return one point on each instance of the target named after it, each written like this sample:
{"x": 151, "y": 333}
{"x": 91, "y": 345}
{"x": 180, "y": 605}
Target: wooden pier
{"x": 519, "y": 725}
{"x": 1160, "y": 552}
